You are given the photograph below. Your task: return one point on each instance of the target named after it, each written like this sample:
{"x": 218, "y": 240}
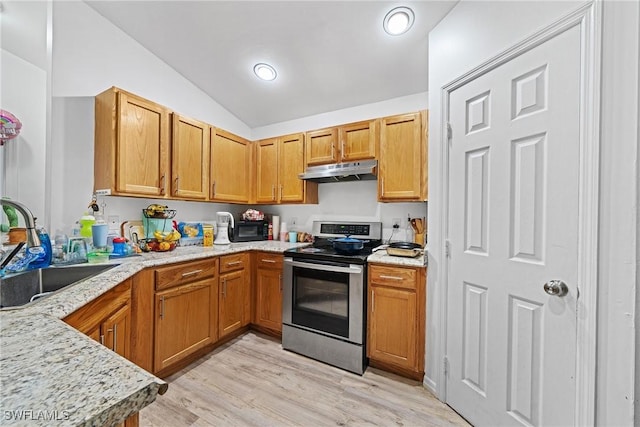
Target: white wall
{"x": 472, "y": 33}
{"x": 617, "y": 315}
{"x": 90, "y": 55}
{"x": 23, "y": 93}
{"x": 352, "y": 201}
{"x": 404, "y": 104}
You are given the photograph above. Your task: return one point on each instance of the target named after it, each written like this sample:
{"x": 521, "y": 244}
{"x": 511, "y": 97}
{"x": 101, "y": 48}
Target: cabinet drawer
{"x": 180, "y": 274}
{"x": 268, "y": 260}
{"x": 233, "y": 262}
{"x": 396, "y": 277}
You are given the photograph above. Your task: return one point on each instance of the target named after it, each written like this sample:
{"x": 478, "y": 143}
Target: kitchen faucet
{"x": 30, "y": 221}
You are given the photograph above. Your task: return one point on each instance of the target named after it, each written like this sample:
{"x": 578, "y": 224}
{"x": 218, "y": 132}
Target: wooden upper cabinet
{"x": 403, "y": 160}
{"x": 131, "y": 145}
{"x": 321, "y": 146}
{"x": 231, "y": 172}
{"x": 290, "y": 165}
{"x": 346, "y": 143}
{"x": 358, "y": 141}
{"x": 279, "y": 161}
{"x": 189, "y": 158}
{"x": 267, "y": 170}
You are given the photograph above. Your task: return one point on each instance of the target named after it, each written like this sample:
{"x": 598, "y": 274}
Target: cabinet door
{"x": 232, "y": 302}
{"x": 185, "y": 321}
{"x": 116, "y": 330}
{"x": 189, "y": 158}
{"x": 267, "y": 170}
{"x": 402, "y": 164}
{"x": 142, "y": 146}
{"x": 291, "y": 164}
{"x": 392, "y": 326}
{"x": 230, "y": 168}
{"x": 269, "y": 298}
{"x": 321, "y": 146}
{"x": 358, "y": 141}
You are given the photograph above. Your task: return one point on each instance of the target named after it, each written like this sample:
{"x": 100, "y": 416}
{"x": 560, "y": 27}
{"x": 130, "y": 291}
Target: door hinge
{"x": 447, "y": 248}
{"x": 449, "y": 131}
{"x": 446, "y": 365}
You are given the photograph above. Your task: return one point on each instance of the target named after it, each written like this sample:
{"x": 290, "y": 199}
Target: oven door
{"x": 326, "y": 298}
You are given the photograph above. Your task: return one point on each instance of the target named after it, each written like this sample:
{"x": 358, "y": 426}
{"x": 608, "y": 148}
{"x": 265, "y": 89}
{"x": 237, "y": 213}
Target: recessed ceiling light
{"x": 265, "y": 71}
{"x": 398, "y": 21}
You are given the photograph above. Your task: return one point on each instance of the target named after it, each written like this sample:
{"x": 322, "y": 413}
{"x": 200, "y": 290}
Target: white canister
{"x": 284, "y": 235}
{"x": 275, "y": 222}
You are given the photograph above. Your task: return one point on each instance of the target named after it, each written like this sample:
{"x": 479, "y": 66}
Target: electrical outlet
{"x": 396, "y": 222}
{"x": 293, "y": 221}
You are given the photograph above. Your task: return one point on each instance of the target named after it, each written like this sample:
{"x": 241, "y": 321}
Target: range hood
{"x": 355, "y": 171}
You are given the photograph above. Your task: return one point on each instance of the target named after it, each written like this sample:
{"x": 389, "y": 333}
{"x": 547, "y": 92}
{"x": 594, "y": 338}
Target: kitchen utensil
{"x": 222, "y": 234}
{"x": 404, "y": 249}
{"x": 348, "y": 245}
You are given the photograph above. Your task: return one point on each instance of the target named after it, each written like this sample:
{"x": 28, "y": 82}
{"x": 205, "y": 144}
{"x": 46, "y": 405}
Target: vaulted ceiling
{"x": 328, "y": 55}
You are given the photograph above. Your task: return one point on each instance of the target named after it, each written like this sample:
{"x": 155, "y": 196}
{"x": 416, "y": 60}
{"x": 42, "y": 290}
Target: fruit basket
{"x": 153, "y": 245}
{"x": 158, "y": 212}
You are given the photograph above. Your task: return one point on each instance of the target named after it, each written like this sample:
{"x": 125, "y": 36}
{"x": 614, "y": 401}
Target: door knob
{"x": 556, "y": 288}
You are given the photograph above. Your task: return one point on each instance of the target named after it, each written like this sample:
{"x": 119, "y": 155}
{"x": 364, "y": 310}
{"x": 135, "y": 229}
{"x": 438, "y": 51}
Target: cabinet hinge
{"x": 447, "y": 248}
{"x": 446, "y": 365}
{"x": 449, "y": 131}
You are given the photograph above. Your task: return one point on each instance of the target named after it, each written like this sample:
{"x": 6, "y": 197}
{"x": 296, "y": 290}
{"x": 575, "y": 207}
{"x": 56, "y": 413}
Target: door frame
{"x": 589, "y": 18}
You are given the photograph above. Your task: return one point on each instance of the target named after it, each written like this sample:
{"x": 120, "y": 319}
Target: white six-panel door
{"x": 513, "y": 207}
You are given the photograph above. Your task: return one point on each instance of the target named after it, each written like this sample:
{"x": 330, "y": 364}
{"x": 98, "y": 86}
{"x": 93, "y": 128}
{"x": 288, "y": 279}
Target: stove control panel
{"x": 358, "y": 230}
{"x": 345, "y": 229}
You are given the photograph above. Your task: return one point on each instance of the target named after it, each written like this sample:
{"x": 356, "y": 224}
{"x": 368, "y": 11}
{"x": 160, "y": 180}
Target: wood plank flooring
{"x": 251, "y": 381}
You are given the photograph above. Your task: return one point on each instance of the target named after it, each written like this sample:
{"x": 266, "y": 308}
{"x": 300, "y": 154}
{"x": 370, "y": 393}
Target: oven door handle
{"x": 323, "y": 267}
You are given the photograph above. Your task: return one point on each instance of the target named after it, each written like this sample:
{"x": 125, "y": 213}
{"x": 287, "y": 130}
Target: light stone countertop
{"x": 52, "y": 372}
{"x": 381, "y": 257}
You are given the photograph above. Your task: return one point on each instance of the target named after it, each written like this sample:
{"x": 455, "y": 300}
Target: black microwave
{"x": 248, "y": 231}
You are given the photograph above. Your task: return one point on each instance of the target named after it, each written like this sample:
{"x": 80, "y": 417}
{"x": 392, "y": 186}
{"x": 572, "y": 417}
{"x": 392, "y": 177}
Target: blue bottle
{"x": 44, "y": 254}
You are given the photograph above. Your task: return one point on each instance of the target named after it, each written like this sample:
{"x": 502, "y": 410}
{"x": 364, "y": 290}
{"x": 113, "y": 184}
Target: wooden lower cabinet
{"x": 268, "y": 291}
{"x": 107, "y": 319}
{"x": 395, "y": 333}
{"x": 185, "y": 311}
{"x": 235, "y": 294}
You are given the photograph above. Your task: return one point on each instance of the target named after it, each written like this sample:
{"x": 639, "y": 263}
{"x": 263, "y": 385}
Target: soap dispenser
{"x": 43, "y": 252}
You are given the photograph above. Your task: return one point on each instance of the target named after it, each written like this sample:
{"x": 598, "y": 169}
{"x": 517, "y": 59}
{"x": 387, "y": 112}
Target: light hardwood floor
{"x": 251, "y": 381}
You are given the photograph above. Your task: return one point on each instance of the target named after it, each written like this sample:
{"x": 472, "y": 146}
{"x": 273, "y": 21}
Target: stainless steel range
{"x": 324, "y": 296}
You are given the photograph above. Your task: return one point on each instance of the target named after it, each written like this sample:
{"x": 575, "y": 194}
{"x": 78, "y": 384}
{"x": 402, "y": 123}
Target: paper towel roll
{"x": 275, "y": 222}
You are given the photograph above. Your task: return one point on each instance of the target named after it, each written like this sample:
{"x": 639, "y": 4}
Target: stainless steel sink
{"x": 21, "y": 288}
